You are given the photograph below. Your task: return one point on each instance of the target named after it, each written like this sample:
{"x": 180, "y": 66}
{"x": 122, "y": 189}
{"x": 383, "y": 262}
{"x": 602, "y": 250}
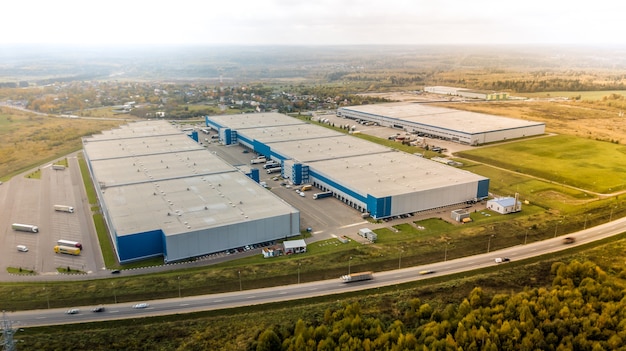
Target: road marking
{"x": 250, "y": 297}
{"x": 282, "y": 293}
{"x": 312, "y": 289}
{"x": 184, "y": 304}
{"x": 218, "y": 300}
{"x": 40, "y": 317}
{"x": 353, "y": 224}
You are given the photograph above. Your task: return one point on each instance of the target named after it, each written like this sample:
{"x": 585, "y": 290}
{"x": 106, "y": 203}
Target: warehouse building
{"x": 464, "y": 127}
{"x": 467, "y": 93}
{"x": 162, "y": 194}
{"x": 368, "y": 177}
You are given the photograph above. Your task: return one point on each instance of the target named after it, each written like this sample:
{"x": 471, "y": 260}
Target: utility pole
{"x": 7, "y": 342}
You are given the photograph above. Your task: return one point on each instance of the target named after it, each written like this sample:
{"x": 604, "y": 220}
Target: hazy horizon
{"x": 323, "y": 22}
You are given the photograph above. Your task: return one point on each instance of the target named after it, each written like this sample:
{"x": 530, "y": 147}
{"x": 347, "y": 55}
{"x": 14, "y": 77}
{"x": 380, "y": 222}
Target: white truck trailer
{"x": 357, "y": 277}
{"x": 25, "y": 227}
{"x": 64, "y": 208}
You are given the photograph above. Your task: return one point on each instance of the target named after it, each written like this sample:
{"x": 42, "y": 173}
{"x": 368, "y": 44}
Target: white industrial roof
{"x": 255, "y": 120}
{"x": 392, "y": 173}
{"x": 446, "y": 118}
{"x": 166, "y": 181}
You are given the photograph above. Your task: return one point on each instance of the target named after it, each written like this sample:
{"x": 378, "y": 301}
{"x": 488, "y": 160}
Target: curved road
{"x": 306, "y": 290}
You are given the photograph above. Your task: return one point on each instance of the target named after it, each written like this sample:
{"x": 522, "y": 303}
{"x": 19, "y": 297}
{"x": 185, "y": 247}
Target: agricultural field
{"x": 591, "y": 165}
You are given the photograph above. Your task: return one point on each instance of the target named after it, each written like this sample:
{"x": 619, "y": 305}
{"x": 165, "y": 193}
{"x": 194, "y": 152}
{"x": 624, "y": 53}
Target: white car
{"x": 22, "y": 248}
{"x": 72, "y": 311}
{"x": 141, "y": 305}
{"x": 301, "y": 193}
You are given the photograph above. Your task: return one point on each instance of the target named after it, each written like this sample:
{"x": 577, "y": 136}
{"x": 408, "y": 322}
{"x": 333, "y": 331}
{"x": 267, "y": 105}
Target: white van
{"x": 22, "y": 248}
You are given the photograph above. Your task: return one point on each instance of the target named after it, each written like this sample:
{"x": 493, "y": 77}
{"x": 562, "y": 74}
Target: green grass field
{"x": 582, "y": 163}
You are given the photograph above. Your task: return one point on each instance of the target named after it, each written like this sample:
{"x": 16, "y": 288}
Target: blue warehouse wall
{"x": 211, "y": 124}
{"x": 261, "y": 148}
{"x": 379, "y": 207}
{"x": 483, "y": 189}
{"x": 138, "y": 246}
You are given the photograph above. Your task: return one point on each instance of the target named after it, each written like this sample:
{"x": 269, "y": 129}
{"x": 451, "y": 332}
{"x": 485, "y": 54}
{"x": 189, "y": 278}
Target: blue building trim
{"x": 262, "y": 149}
{"x": 194, "y": 135}
{"x": 139, "y": 246}
{"x": 212, "y": 124}
{"x": 483, "y": 189}
{"x": 379, "y": 207}
{"x": 333, "y": 184}
{"x": 254, "y": 175}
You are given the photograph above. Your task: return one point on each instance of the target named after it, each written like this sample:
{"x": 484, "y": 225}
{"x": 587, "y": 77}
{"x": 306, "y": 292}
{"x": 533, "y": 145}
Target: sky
{"x": 312, "y": 22}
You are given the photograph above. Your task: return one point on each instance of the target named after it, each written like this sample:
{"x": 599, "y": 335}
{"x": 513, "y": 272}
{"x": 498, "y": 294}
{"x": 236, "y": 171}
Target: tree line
{"x": 582, "y": 310}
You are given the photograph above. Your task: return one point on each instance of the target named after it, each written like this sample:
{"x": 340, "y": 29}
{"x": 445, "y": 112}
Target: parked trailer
{"x": 64, "y": 208}
{"x": 25, "y": 227}
{"x": 258, "y": 160}
{"x": 273, "y": 170}
{"x": 323, "y": 195}
{"x": 70, "y": 243}
{"x": 67, "y": 250}
{"x": 306, "y": 187}
{"x": 357, "y": 277}
{"x": 58, "y": 167}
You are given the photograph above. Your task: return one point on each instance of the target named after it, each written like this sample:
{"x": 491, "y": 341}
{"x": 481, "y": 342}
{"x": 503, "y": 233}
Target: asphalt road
{"x": 312, "y": 289}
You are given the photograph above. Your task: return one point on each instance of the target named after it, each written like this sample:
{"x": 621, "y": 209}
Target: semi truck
{"x": 70, "y": 243}
{"x": 67, "y": 250}
{"x": 323, "y": 195}
{"x": 64, "y": 208}
{"x": 260, "y": 159}
{"x": 25, "y": 227}
{"x": 357, "y": 277}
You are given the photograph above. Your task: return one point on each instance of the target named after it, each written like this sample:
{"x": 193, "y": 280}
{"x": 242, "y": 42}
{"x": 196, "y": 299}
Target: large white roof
{"x": 444, "y": 118}
{"x": 165, "y": 180}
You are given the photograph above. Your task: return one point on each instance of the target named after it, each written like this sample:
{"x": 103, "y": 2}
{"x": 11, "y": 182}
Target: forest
{"x": 583, "y": 310}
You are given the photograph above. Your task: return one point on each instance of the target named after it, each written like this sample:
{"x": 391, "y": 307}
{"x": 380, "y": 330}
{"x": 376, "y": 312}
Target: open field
{"x": 587, "y": 164}
{"x": 28, "y": 140}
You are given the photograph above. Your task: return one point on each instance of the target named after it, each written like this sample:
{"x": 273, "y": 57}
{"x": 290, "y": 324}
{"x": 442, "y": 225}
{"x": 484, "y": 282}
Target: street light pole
{"x": 350, "y": 259}
{"x": 555, "y": 228}
{"x": 526, "y": 236}
{"x": 240, "y": 287}
{"x": 47, "y": 297}
{"x": 179, "y": 287}
{"x": 400, "y": 260}
{"x": 585, "y": 226}
{"x": 445, "y": 252}
{"x": 298, "y": 272}
{"x": 489, "y": 243}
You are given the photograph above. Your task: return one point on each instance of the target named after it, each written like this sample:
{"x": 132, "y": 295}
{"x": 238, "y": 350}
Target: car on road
{"x": 569, "y": 240}
{"x": 427, "y": 272}
{"x": 22, "y": 248}
{"x": 502, "y": 259}
{"x": 98, "y": 309}
{"x": 72, "y": 311}
{"x": 302, "y": 194}
{"x": 140, "y": 305}
{"x": 116, "y": 271}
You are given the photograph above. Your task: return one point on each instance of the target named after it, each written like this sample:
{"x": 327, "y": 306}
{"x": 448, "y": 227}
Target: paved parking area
{"x": 31, "y": 201}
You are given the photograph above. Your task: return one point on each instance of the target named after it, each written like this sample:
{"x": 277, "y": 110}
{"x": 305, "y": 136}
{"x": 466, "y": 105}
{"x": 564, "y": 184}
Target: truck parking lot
{"x": 32, "y": 201}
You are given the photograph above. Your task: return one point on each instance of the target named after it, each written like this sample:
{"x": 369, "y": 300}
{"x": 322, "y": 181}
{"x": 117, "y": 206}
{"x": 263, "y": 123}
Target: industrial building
{"x": 467, "y": 93}
{"x": 464, "y": 127}
{"x": 371, "y": 178}
{"x": 163, "y": 194}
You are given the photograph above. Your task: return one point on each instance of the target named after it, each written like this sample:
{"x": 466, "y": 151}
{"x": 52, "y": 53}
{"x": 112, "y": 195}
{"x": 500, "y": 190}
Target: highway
{"x": 302, "y": 291}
